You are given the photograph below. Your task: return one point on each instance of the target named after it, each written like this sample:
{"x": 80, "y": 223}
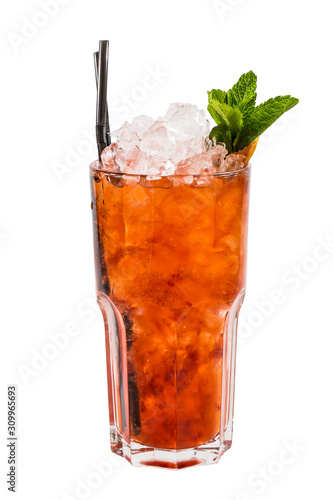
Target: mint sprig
{"x": 239, "y": 120}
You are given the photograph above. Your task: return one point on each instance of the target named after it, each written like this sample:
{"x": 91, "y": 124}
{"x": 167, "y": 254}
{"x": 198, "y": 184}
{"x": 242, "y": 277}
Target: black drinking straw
{"x": 102, "y": 96}
{"x": 108, "y": 133}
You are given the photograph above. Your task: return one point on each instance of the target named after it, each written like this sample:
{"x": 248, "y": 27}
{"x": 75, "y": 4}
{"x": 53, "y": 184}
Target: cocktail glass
{"x": 170, "y": 259}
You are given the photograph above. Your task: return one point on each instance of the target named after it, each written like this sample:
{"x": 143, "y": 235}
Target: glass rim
{"x": 95, "y": 166}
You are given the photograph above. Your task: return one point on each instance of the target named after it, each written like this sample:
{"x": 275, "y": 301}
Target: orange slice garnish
{"x": 248, "y": 151}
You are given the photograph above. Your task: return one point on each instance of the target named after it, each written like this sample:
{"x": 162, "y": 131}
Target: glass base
{"x": 139, "y": 455}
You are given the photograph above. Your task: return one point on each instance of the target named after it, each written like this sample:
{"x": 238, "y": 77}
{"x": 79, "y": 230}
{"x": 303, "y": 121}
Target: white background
{"x": 284, "y": 365}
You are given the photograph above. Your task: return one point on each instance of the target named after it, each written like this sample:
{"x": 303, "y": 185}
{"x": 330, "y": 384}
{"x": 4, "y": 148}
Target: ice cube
{"x": 130, "y": 134}
{"x": 233, "y": 162}
{"x": 159, "y": 141}
{"x": 196, "y": 165}
{"x": 131, "y": 180}
{"x": 107, "y": 156}
{"x": 218, "y": 154}
{"x": 187, "y": 121}
{"x": 180, "y": 180}
{"x": 173, "y": 108}
{"x": 178, "y": 135}
{"x": 132, "y": 161}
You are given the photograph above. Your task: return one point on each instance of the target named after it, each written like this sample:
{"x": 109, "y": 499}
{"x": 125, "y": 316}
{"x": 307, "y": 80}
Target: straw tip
{"x": 104, "y": 48}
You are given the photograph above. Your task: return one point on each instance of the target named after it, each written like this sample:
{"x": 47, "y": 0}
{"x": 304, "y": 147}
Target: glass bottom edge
{"x": 140, "y": 455}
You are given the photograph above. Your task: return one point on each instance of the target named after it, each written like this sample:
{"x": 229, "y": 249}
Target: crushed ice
{"x": 173, "y": 144}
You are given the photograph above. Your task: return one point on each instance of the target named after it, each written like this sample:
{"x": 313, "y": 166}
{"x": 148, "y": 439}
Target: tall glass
{"x": 170, "y": 258}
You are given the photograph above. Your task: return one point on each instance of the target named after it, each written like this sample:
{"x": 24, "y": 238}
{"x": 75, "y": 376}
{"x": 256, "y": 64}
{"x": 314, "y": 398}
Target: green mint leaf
{"x": 247, "y": 105}
{"x": 229, "y": 122}
{"x": 229, "y": 108}
{"x": 262, "y": 117}
{"x": 221, "y": 133}
{"x": 215, "y": 98}
{"x": 230, "y": 117}
{"x": 214, "y": 113}
{"x": 230, "y": 99}
{"x": 244, "y": 89}
{"x": 217, "y": 94}
{"x": 239, "y": 121}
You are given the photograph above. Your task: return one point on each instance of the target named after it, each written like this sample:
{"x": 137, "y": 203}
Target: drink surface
{"x": 171, "y": 258}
